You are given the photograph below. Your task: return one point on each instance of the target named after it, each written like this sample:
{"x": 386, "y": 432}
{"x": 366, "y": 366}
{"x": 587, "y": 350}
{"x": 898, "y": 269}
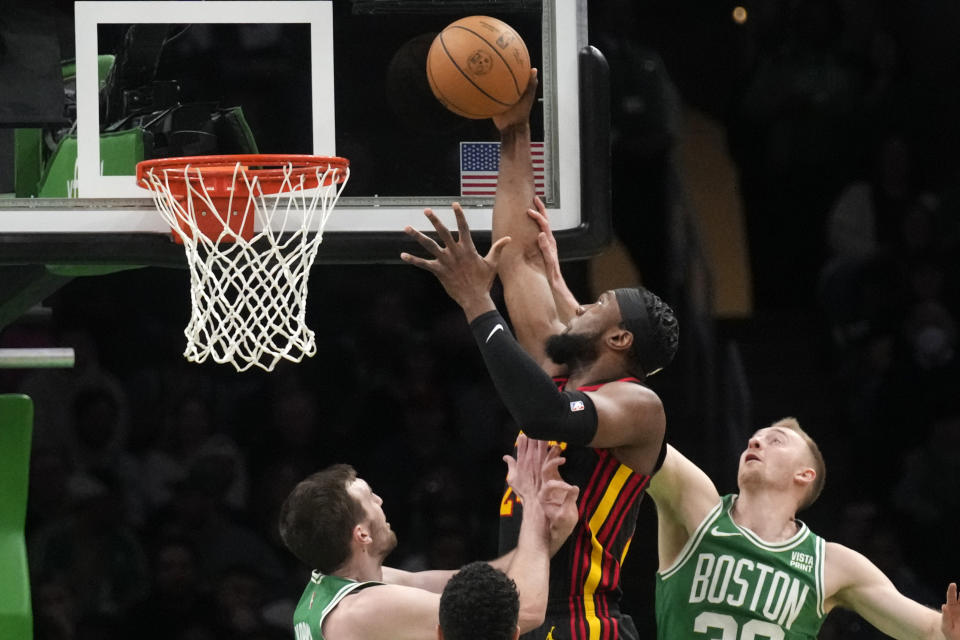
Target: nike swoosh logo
{"x": 721, "y": 534}
{"x": 499, "y": 327}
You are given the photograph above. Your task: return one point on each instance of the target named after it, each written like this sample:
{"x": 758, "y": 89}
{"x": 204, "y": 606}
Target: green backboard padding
{"x": 104, "y": 64}
{"x": 27, "y": 161}
{"x": 80, "y": 270}
{"x": 120, "y": 151}
{"x": 29, "y": 157}
{"x": 16, "y": 428}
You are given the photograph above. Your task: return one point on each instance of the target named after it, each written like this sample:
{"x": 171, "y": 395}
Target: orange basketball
{"x": 478, "y": 67}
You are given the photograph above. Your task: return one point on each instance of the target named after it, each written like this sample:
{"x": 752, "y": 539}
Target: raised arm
{"x": 683, "y": 495}
{"x": 853, "y": 582}
{"x": 621, "y": 414}
{"x": 530, "y": 302}
{"x": 950, "y": 612}
{"x": 548, "y": 500}
{"x": 548, "y": 518}
{"x": 563, "y": 298}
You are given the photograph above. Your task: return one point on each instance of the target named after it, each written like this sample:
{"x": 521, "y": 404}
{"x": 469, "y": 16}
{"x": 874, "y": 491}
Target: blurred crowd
{"x": 155, "y": 483}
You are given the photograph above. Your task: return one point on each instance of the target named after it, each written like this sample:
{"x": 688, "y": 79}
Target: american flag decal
{"x": 480, "y": 161}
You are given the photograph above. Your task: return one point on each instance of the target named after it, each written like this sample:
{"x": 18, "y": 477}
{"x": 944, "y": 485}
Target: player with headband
{"x": 574, "y": 374}
{"x": 743, "y": 565}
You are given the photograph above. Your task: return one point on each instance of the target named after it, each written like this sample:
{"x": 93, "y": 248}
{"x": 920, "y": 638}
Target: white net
{"x": 249, "y": 295}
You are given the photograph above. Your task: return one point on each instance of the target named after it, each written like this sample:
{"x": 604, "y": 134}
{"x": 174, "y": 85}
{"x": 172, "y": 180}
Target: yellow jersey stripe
{"x": 596, "y": 556}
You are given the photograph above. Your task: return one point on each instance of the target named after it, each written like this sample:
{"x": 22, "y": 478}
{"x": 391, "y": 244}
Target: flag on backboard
{"x": 480, "y": 161}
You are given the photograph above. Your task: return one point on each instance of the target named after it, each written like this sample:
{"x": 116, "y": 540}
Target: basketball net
{"x": 248, "y": 281}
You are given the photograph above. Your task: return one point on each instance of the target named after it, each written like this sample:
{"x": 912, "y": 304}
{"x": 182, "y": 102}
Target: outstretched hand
{"x": 562, "y": 296}
{"x": 559, "y": 502}
{"x": 950, "y": 618}
{"x": 535, "y": 475}
{"x": 466, "y": 276}
{"x": 524, "y": 472}
{"x": 545, "y": 240}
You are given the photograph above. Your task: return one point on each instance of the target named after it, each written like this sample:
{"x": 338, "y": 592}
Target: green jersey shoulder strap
{"x": 322, "y": 594}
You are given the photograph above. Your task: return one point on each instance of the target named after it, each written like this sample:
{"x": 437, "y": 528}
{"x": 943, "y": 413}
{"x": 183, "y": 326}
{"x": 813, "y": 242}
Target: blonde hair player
{"x": 743, "y": 566}
{"x": 745, "y": 562}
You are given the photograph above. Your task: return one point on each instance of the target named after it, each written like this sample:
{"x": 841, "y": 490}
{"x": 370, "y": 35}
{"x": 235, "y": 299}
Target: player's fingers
{"x": 532, "y": 82}
{"x": 552, "y": 491}
{"x": 424, "y": 241}
{"x": 551, "y": 467}
{"x": 542, "y": 449}
{"x": 493, "y": 256}
{"x": 555, "y": 452}
{"x": 564, "y": 490}
{"x": 553, "y": 457}
{"x": 445, "y": 237}
{"x": 540, "y": 219}
{"x": 463, "y": 229}
{"x": 542, "y": 241}
{"x": 558, "y": 491}
{"x": 554, "y": 485}
{"x": 426, "y": 265}
{"x": 523, "y": 445}
{"x": 541, "y": 208}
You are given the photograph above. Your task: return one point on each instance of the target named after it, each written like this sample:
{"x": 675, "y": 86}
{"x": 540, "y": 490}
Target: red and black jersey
{"x": 585, "y": 573}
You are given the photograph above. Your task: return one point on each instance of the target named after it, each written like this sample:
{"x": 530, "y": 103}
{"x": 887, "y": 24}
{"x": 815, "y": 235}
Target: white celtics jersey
{"x": 728, "y": 584}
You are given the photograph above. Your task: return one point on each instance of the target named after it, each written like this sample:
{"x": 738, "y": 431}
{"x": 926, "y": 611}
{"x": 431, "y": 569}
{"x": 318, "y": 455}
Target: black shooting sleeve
{"x": 541, "y": 410}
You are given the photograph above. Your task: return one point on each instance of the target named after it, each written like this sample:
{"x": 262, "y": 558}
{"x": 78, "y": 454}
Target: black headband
{"x": 633, "y": 313}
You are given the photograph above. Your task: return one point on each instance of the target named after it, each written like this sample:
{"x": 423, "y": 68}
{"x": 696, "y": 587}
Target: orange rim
{"x": 270, "y": 169}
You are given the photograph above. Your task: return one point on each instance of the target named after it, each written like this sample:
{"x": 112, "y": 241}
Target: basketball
{"x": 478, "y": 67}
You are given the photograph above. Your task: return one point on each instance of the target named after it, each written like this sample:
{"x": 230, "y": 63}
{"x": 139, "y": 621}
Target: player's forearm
{"x": 531, "y": 397}
{"x": 515, "y": 192}
{"x": 532, "y": 309}
{"x": 563, "y": 298}
{"x": 433, "y": 581}
{"x": 878, "y": 601}
{"x": 530, "y": 566}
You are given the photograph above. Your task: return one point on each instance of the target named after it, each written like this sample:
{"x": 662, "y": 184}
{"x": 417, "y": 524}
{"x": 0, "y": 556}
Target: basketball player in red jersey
{"x": 575, "y": 375}
{"x": 602, "y": 353}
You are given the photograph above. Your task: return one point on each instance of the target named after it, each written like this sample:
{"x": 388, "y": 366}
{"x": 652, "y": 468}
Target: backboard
{"x": 343, "y": 77}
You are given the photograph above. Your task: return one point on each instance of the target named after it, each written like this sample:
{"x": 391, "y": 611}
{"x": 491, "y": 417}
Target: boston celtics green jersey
{"x": 322, "y": 594}
{"x": 728, "y": 584}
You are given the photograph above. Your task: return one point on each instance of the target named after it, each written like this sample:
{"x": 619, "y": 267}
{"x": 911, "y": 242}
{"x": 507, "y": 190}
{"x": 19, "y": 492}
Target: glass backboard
{"x": 151, "y": 79}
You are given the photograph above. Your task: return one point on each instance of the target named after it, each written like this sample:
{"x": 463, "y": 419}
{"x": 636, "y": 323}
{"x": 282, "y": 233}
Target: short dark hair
{"x": 479, "y": 603}
{"x": 654, "y": 328}
{"x": 317, "y": 518}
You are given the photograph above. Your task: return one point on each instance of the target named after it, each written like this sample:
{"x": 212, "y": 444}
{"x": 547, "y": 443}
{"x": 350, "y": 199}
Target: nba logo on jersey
{"x": 576, "y": 405}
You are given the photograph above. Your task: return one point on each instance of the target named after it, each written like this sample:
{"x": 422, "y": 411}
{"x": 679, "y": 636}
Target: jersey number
{"x": 506, "y": 504}
{"x": 752, "y": 630}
